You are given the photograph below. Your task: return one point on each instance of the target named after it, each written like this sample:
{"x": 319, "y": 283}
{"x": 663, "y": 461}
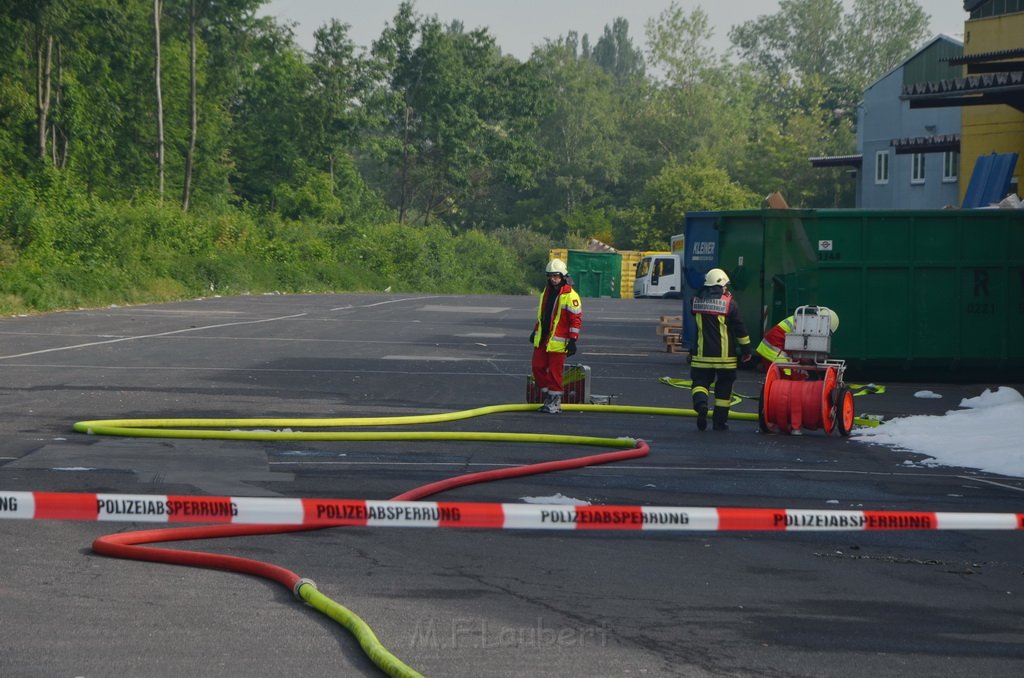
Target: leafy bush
{"x": 61, "y": 248}
{"x": 432, "y": 259}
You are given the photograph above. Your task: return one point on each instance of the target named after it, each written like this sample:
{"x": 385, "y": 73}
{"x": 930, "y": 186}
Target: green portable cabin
{"x": 934, "y": 294}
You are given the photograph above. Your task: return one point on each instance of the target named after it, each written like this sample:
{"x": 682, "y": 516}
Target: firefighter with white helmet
{"x": 714, "y": 356}
{"x": 554, "y": 336}
{"x": 772, "y": 346}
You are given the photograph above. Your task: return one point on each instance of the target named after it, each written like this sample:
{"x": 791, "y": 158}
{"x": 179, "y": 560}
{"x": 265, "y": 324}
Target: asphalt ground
{"x": 473, "y": 602}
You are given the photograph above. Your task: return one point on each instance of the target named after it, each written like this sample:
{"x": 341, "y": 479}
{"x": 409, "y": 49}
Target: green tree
{"x": 777, "y": 155}
{"x": 615, "y": 53}
{"x": 456, "y": 117}
{"x": 341, "y": 82}
{"x": 207, "y": 21}
{"x": 814, "y": 39}
{"x": 273, "y": 127}
{"x": 47, "y": 23}
{"x": 805, "y": 37}
{"x": 581, "y": 133}
{"x": 697, "y": 186}
{"x": 17, "y": 101}
{"x": 107, "y": 97}
{"x": 679, "y": 45}
{"x": 700, "y": 103}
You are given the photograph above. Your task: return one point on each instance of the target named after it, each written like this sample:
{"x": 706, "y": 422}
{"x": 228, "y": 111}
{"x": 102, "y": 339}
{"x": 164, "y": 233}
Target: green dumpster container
{"x": 596, "y": 274}
{"x": 932, "y": 294}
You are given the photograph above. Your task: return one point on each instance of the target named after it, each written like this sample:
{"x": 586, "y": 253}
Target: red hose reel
{"x": 791, "y": 401}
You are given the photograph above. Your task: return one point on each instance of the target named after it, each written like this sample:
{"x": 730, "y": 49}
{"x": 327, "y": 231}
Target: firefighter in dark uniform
{"x": 713, "y": 359}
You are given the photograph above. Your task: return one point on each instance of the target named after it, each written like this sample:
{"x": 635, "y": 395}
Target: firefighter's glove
{"x": 571, "y": 348}
{"x": 745, "y": 354}
{"x": 533, "y": 335}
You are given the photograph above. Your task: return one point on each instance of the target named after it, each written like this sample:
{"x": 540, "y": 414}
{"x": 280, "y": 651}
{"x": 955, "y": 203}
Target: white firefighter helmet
{"x": 716, "y": 276}
{"x": 833, "y": 318}
{"x": 557, "y": 266}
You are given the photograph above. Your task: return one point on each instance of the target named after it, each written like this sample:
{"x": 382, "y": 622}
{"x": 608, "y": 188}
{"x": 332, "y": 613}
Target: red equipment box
{"x": 575, "y": 385}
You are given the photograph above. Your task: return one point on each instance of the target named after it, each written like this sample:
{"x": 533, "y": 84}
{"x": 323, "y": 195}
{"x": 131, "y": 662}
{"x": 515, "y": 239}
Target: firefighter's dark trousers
{"x": 723, "y": 379}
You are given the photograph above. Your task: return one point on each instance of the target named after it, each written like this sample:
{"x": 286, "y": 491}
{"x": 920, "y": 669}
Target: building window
{"x": 950, "y": 166}
{"x": 882, "y": 167}
{"x": 917, "y": 168}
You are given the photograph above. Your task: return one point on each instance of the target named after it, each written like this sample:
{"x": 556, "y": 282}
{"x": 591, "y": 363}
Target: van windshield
{"x": 644, "y": 267}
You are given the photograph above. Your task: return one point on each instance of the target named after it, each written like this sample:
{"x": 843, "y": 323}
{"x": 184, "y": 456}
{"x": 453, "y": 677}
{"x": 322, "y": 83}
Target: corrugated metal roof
{"x": 974, "y": 90}
{"x": 1011, "y": 80}
{"x": 933, "y": 62}
{"x": 941, "y": 38}
{"x": 987, "y": 56}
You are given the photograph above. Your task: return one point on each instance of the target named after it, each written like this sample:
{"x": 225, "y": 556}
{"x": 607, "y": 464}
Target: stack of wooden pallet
{"x": 670, "y": 330}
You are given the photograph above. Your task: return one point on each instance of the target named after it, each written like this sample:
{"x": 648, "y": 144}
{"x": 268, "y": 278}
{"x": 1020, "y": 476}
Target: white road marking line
{"x": 193, "y": 368}
{"x": 992, "y": 482}
{"x": 298, "y": 462}
{"x": 151, "y": 336}
{"x": 619, "y": 355}
{"x": 383, "y": 303}
{"x": 439, "y": 358}
{"x": 181, "y": 311}
{"x": 464, "y": 309}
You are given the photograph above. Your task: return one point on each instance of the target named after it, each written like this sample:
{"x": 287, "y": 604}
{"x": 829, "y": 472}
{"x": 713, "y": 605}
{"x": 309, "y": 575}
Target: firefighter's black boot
{"x": 702, "y": 416}
{"x": 720, "y": 417}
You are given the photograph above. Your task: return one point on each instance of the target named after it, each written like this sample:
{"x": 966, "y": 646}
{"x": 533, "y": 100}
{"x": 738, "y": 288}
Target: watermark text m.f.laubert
{"x": 482, "y": 633}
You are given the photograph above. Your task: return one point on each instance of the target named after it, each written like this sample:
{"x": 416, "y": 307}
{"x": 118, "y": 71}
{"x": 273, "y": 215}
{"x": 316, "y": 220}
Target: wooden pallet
{"x": 670, "y": 329}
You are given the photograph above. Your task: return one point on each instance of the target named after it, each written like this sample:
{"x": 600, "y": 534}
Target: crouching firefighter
{"x": 554, "y": 336}
{"x": 772, "y": 348}
{"x": 713, "y": 358}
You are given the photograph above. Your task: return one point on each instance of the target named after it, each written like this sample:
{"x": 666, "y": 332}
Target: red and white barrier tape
{"x": 374, "y": 513}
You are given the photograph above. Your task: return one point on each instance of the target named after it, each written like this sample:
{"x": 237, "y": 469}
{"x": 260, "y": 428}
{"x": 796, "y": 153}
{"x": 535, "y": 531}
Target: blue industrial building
{"x": 907, "y": 158}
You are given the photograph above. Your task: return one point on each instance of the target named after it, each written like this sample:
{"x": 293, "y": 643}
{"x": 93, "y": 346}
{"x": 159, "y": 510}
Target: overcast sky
{"x": 519, "y": 25}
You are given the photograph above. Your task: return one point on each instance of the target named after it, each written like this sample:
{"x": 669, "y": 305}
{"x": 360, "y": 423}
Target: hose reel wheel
{"x": 843, "y": 407}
